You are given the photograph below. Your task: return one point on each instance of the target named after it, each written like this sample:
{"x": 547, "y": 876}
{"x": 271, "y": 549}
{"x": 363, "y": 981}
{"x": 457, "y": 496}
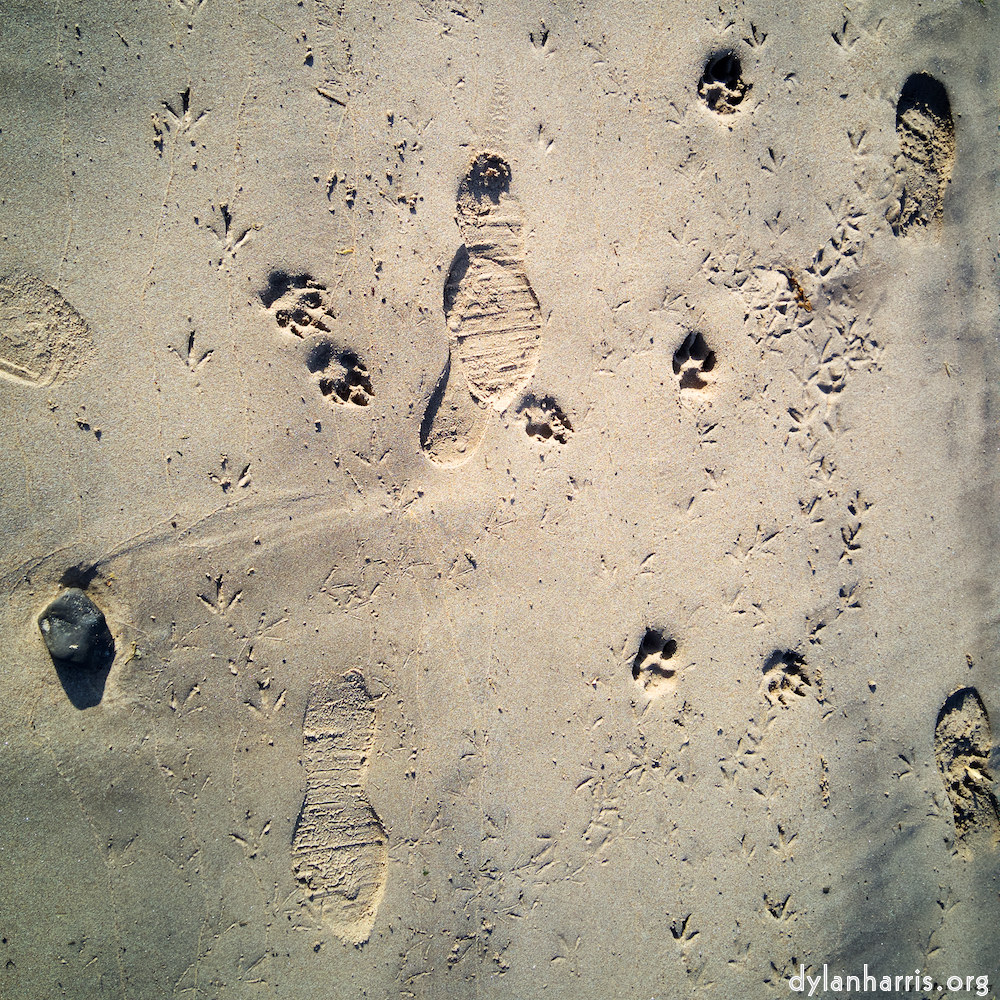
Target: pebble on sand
{"x": 75, "y": 631}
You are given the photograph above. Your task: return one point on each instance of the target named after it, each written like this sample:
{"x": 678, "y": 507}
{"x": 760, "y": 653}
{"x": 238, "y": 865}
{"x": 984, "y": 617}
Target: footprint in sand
{"x": 300, "y": 304}
{"x": 654, "y": 668}
{"x": 962, "y": 746}
{"x": 786, "y": 678}
{"x": 43, "y": 339}
{"x": 722, "y": 86}
{"x": 343, "y": 377}
{"x": 545, "y": 420}
{"x": 923, "y": 168}
{"x": 494, "y": 323}
{"x": 303, "y": 308}
{"x": 339, "y": 853}
{"x": 692, "y": 361}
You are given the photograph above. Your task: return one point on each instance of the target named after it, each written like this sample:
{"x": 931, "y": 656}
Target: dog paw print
{"x": 692, "y": 360}
{"x": 343, "y": 376}
{"x": 545, "y": 420}
{"x": 722, "y": 86}
{"x": 654, "y": 668}
{"x": 785, "y": 678}
{"x": 300, "y": 304}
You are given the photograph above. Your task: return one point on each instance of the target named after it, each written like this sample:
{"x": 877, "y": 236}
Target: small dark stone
{"x": 76, "y": 633}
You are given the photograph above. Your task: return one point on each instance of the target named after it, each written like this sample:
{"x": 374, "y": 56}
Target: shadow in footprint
{"x": 80, "y": 644}
{"x": 494, "y": 322}
{"x": 280, "y": 283}
{"x": 693, "y": 359}
{"x": 454, "y": 423}
{"x": 343, "y": 376}
{"x": 456, "y": 275}
{"x": 926, "y": 133}
{"x": 722, "y": 86}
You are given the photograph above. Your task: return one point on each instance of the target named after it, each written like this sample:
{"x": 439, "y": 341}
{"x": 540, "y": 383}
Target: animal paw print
{"x": 262, "y": 698}
{"x": 845, "y": 35}
{"x": 300, "y": 304}
{"x": 231, "y": 236}
{"x": 785, "y": 678}
{"x": 343, "y": 377}
{"x": 692, "y": 360}
{"x": 226, "y": 478}
{"x": 654, "y": 668}
{"x": 215, "y": 598}
{"x": 185, "y": 702}
{"x": 778, "y": 906}
{"x": 722, "y": 86}
{"x": 192, "y": 358}
{"x": 178, "y": 118}
{"x": 681, "y": 930}
{"x": 545, "y": 420}
{"x": 831, "y": 376}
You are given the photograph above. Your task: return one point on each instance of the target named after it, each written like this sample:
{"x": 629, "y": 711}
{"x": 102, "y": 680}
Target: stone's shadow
{"x": 83, "y": 687}
{"x": 80, "y": 644}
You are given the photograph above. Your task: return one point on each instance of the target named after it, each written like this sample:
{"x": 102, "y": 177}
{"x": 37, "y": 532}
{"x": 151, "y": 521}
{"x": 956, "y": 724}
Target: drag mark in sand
{"x": 339, "y": 848}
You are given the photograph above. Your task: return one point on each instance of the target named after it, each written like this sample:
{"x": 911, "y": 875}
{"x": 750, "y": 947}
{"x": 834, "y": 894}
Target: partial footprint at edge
{"x": 926, "y": 132}
{"x": 493, "y": 318}
{"x": 339, "y": 848}
{"x": 43, "y": 339}
{"x": 962, "y": 745}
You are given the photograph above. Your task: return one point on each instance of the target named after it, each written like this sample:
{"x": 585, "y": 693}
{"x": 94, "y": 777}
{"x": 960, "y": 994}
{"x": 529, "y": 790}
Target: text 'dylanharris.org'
{"x": 868, "y": 981}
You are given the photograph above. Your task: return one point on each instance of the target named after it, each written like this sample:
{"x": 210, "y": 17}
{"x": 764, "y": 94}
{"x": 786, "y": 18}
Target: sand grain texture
{"x": 537, "y": 471}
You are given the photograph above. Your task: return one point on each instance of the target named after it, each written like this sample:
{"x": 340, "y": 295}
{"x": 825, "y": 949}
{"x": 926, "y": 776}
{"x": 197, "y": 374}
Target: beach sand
{"x": 518, "y": 485}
